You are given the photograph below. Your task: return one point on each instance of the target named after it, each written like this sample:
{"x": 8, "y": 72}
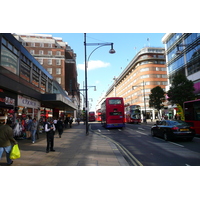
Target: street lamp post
{"x": 86, "y": 65}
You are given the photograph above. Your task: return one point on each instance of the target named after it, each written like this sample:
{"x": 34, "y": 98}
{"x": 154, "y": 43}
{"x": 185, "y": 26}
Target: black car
{"x": 173, "y": 129}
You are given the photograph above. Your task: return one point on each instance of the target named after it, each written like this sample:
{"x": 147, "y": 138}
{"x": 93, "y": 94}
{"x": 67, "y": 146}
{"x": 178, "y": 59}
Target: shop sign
{"x": 26, "y": 102}
{"x": 5, "y": 99}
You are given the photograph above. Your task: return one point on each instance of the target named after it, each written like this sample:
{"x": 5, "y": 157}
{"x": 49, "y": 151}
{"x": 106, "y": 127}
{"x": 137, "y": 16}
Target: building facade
{"x": 183, "y": 55}
{"x": 146, "y": 71}
{"x": 26, "y": 88}
{"x": 56, "y": 57}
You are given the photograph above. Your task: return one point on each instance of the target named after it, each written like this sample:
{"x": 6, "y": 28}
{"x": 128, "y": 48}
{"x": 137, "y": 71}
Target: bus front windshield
{"x": 115, "y": 101}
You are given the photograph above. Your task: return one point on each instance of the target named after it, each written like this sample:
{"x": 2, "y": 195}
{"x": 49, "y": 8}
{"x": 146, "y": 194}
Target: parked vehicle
{"x": 173, "y": 129}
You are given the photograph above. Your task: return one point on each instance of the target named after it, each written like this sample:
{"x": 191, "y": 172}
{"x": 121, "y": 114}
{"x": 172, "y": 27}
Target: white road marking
{"x": 119, "y": 130}
{"x": 187, "y": 165}
{"x": 99, "y": 130}
{"x": 169, "y": 142}
{"x": 141, "y": 128}
{"x": 176, "y": 144}
{"x": 141, "y": 133}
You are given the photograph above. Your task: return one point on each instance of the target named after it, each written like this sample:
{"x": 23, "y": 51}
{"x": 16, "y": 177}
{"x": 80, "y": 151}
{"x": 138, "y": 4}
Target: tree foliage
{"x": 181, "y": 90}
{"x": 155, "y": 98}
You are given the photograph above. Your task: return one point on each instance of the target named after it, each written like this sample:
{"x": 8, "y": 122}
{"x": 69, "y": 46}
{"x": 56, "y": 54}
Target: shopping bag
{"x": 15, "y": 152}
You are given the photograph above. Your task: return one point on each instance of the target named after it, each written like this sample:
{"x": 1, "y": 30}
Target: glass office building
{"x": 183, "y": 55}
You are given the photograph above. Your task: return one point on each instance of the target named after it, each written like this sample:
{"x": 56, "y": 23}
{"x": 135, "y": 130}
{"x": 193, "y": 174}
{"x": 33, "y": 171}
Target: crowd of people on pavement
{"x": 30, "y": 129}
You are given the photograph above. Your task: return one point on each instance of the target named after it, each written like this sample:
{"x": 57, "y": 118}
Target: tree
{"x": 156, "y": 97}
{"x": 181, "y": 90}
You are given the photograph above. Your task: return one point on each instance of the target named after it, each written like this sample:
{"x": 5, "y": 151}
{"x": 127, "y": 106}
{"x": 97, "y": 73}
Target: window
{"x": 49, "y": 61}
{"x": 3, "y": 41}
{"x": 58, "y": 62}
{"x": 40, "y": 52}
{"x": 49, "y": 70}
{"x": 32, "y": 44}
{"x": 9, "y": 60}
{"x": 32, "y": 52}
{"x": 41, "y": 44}
{"x": 58, "y": 53}
{"x": 144, "y": 69}
{"x": 50, "y": 53}
{"x": 58, "y": 70}
{"x": 58, "y": 80}
{"x": 40, "y": 61}
{"x": 24, "y": 43}
{"x": 115, "y": 101}
{"x": 50, "y": 45}
{"x": 9, "y": 46}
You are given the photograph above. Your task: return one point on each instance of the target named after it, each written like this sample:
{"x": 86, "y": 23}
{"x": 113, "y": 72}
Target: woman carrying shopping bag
{"x": 6, "y": 140}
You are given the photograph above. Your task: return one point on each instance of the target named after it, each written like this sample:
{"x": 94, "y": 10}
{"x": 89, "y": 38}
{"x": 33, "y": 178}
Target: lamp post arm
{"x": 101, "y": 45}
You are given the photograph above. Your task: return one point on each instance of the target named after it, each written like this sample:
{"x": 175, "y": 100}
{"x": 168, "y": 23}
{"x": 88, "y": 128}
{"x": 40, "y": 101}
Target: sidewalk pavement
{"x": 74, "y": 148}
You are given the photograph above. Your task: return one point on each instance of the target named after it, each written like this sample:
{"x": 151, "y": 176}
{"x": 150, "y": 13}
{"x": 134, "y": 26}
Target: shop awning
{"x": 57, "y": 101}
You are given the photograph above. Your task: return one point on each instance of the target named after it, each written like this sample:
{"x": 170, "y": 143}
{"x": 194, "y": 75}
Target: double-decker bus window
{"x": 115, "y": 101}
{"x": 189, "y": 111}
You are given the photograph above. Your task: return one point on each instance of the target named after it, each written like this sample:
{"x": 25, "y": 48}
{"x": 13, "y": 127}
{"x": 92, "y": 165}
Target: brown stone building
{"x": 56, "y": 57}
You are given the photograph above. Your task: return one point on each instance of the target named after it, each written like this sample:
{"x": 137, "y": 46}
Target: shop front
{"x": 28, "y": 107}
{"x": 7, "y": 105}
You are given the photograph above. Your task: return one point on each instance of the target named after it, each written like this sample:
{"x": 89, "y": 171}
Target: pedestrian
{"x": 50, "y": 131}
{"x": 66, "y": 121}
{"x": 28, "y": 131}
{"x": 60, "y": 127}
{"x": 55, "y": 123}
{"x": 6, "y": 140}
{"x": 70, "y": 121}
{"x": 33, "y": 129}
{"x": 78, "y": 120}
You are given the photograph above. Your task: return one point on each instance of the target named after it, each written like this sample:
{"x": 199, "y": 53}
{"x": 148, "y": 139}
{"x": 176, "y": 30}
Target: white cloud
{"x": 93, "y": 64}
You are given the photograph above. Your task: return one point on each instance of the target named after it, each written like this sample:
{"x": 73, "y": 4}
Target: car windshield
{"x": 179, "y": 123}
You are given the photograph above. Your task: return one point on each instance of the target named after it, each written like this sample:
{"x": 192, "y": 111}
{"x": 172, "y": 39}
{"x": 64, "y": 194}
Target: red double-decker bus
{"x": 133, "y": 114}
{"x": 112, "y": 112}
{"x": 98, "y": 115}
{"x": 192, "y": 114}
{"x": 91, "y": 116}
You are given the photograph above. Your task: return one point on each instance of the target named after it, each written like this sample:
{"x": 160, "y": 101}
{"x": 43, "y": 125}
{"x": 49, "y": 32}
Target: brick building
{"x": 56, "y": 57}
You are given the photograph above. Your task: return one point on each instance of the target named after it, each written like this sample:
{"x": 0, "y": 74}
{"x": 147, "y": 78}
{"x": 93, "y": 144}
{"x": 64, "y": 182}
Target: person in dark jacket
{"x": 6, "y": 140}
{"x": 70, "y": 121}
{"x": 60, "y": 127}
{"x": 50, "y": 131}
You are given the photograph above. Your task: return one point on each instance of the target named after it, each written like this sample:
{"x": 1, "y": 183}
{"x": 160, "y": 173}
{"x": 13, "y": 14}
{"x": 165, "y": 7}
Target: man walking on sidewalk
{"x": 50, "y": 131}
{"x": 6, "y": 138}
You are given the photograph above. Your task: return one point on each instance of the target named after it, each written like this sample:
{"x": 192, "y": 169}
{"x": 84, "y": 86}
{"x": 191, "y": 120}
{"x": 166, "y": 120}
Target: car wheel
{"x": 152, "y": 133}
{"x": 166, "y": 137}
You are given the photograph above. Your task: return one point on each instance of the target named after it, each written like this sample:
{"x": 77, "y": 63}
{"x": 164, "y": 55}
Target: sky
{"x": 103, "y": 66}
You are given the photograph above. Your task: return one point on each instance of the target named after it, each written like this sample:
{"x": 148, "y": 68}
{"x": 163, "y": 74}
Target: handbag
{"x": 15, "y": 152}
